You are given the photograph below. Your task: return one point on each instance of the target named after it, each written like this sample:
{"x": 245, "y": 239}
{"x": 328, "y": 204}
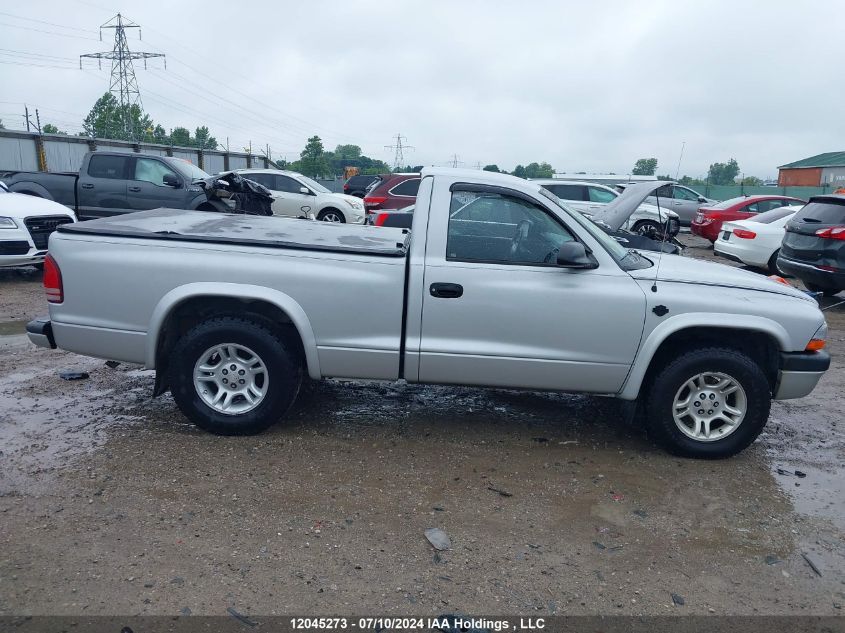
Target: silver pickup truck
{"x": 498, "y": 284}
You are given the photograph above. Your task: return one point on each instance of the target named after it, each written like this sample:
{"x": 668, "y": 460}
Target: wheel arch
{"x": 183, "y": 307}
{"x": 28, "y": 188}
{"x": 759, "y": 337}
{"x": 330, "y": 206}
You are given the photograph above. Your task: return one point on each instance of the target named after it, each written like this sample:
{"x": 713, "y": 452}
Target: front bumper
{"x": 809, "y": 273}
{"x": 40, "y": 332}
{"x": 799, "y": 373}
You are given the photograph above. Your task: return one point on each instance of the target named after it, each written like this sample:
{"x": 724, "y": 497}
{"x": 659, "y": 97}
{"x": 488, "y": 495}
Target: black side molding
{"x": 805, "y": 361}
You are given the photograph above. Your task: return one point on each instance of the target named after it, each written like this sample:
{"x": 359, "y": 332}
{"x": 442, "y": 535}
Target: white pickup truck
{"x": 498, "y": 284}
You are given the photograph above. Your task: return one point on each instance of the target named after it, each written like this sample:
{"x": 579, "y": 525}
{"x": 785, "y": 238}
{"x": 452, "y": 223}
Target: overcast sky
{"x": 586, "y": 88}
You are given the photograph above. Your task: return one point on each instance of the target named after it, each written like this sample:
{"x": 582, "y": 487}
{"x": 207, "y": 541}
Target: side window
{"x": 774, "y": 204}
{"x": 751, "y": 208}
{"x": 150, "y": 170}
{"x": 576, "y": 193}
{"x": 286, "y": 184}
{"x": 409, "y": 187}
{"x": 685, "y": 194}
{"x": 666, "y": 191}
{"x": 262, "y": 179}
{"x": 498, "y": 228}
{"x": 108, "y": 167}
{"x": 600, "y": 195}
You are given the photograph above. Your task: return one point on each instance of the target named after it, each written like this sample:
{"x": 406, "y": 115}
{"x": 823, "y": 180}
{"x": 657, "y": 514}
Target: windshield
{"x": 627, "y": 259}
{"x": 188, "y": 169}
{"x": 313, "y": 184}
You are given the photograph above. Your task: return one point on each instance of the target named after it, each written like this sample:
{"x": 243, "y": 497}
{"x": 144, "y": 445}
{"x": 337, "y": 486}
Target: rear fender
{"x": 235, "y": 291}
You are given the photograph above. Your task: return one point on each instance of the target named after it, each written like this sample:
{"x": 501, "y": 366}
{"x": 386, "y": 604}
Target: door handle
{"x": 446, "y": 291}
{"x": 134, "y": 189}
{"x": 87, "y": 185}
{"x": 677, "y": 204}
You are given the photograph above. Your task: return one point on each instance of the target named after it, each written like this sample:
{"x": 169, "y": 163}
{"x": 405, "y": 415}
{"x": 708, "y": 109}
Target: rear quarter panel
{"x": 118, "y": 284}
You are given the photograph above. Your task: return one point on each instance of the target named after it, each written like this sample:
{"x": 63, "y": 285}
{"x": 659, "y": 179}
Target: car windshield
{"x": 626, "y": 258}
{"x": 188, "y": 169}
{"x": 313, "y": 184}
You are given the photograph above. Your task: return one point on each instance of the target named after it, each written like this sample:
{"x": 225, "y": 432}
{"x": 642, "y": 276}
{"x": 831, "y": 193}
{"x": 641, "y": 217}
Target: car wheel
{"x": 708, "y": 403}
{"x": 233, "y": 376}
{"x": 647, "y": 228}
{"x": 331, "y": 215}
{"x": 773, "y": 264}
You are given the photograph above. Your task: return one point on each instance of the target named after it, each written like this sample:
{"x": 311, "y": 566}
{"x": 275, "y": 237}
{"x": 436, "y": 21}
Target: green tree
{"x": 107, "y": 119}
{"x": 541, "y": 170}
{"x": 519, "y": 171}
{"x": 49, "y": 128}
{"x": 312, "y": 158}
{"x": 752, "y": 181}
{"x": 491, "y": 168}
{"x": 181, "y": 136}
{"x": 723, "y": 173}
{"x": 645, "y": 167}
{"x": 160, "y": 135}
{"x": 203, "y": 138}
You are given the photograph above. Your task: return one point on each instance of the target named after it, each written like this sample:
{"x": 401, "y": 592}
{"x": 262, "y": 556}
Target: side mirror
{"x": 702, "y": 199}
{"x": 574, "y": 255}
{"x": 306, "y": 191}
{"x": 170, "y": 180}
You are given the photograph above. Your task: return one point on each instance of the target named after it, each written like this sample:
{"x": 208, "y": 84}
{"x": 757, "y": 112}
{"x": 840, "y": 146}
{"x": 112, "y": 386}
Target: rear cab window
{"x": 108, "y": 166}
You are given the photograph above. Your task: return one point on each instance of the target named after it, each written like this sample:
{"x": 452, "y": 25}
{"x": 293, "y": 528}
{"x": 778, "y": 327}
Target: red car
{"x": 394, "y": 191}
{"x": 707, "y": 223}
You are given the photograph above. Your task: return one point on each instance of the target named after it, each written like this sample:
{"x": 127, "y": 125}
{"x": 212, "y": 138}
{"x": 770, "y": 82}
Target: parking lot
{"x": 112, "y": 503}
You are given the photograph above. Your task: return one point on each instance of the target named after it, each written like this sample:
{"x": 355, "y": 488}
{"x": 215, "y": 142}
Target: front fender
{"x": 709, "y": 320}
{"x": 201, "y": 199}
{"x": 236, "y": 291}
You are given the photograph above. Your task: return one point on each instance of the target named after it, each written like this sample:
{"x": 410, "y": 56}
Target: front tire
{"x": 708, "y": 403}
{"x": 234, "y": 376}
{"x": 331, "y": 215}
{"x": 647, "y": 228}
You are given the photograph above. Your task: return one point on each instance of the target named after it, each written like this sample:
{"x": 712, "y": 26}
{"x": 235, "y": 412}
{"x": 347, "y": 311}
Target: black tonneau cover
{"x": 247, "y": 230}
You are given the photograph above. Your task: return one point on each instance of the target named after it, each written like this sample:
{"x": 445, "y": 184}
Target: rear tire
{"x": 773, "y": 264}
{"x": 276, "y": 381}
{"x": 667, "y": 423}
{"x": 331, "y": 215}
{"x": 827, "y": 292}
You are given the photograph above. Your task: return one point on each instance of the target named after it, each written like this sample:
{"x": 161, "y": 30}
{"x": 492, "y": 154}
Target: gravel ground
{"x": 111, "y": 503}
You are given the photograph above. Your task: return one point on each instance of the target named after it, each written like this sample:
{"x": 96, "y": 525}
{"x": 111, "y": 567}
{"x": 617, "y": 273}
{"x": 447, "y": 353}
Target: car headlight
{"x": 7, "y": 223}
{"x": 355, "y": 204}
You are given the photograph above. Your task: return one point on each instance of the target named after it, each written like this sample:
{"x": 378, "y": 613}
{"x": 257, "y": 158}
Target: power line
{"x": 399, "y": 147}
{"x": 123, "y": 83}
{"x": 62, "y": 26}
{"x": 29, "y": 28}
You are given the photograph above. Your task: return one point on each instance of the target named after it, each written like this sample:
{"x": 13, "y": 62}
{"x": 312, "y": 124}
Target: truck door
{"x": 498, "y": 311}
{"x": 102, "y": 186}
{"x": 146, "y": 188}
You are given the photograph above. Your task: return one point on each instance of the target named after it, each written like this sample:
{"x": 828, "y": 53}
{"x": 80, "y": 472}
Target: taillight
{"x": 381, "y": 218}
{"x": 374, "y": 201}
{"x": 345, "y": 187}
{"x": 53, "y": 280}
{"x": 833, "y": 233}
{"x": 746, "y": 235}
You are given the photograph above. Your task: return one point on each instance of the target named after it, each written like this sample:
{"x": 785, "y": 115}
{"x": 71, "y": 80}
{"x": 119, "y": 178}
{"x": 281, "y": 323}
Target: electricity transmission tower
{"x": 123, "y": 83}
{"x": 455, "y": 160}
{"x": 399, "y": 147}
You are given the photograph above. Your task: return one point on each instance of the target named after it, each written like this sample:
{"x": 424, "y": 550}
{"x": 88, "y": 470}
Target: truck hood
{"x": 616, "y": 213}
{"x": 679, "y": 269}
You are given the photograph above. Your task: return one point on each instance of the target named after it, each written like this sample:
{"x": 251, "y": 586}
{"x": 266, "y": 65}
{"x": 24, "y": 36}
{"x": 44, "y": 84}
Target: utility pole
{"x": 123, "y": 84}
{"x": 455, "y": 160}
{"x": 26, "y": 116}
{"x": 399, "y": 147}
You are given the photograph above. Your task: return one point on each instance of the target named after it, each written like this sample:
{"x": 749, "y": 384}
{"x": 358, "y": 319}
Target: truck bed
{"x": 246, "y": 230}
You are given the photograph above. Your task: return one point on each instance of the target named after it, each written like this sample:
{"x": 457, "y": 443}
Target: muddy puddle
{"x": 12, "y": 328}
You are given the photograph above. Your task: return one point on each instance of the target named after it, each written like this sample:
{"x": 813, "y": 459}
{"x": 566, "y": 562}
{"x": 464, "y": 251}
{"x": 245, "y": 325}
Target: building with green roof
{"x": 815, "y": 171}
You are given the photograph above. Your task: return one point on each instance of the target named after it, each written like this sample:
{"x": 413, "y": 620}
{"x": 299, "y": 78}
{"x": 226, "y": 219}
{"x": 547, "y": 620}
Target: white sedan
{"x": 295, "y": 195}
{"x": 25, "y": 226}
{"x": 755, "y": 241}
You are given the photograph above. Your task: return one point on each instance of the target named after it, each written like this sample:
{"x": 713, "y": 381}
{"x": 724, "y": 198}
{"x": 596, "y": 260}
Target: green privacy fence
{"x": 725, "y": 192}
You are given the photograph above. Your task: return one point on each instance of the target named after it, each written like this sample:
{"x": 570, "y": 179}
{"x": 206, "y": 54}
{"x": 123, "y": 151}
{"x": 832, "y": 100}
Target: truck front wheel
{"x": 708, "y": 403}
{"x": 233, "y": 376}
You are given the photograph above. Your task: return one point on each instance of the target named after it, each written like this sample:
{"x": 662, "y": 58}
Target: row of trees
{"x": 719, "y": 174}
{"x": 316, "y": 162}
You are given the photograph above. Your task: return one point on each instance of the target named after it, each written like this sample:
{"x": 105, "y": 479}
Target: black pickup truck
{"x": 110, "y": 183}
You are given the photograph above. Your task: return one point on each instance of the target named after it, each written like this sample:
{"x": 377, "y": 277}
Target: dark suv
{"x": 357, "y": 185}
{"x": 394, "y": 191}
{"x": 813, "y": 247}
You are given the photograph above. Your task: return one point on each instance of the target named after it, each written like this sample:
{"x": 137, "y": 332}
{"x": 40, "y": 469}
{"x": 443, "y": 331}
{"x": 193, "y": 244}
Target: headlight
{"x": 355, "y": 204}
{"x": 7, "y": 223}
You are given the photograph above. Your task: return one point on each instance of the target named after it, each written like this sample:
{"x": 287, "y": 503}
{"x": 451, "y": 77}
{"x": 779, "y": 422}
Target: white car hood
{"x": 676, "y": 268}
{"x": 616, "y": 213}
{"x": 20, "y": 206}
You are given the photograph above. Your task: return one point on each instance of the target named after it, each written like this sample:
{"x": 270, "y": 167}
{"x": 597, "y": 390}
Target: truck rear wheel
{"x": 233, "y": 376}
{"x": 708, "y": 403}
